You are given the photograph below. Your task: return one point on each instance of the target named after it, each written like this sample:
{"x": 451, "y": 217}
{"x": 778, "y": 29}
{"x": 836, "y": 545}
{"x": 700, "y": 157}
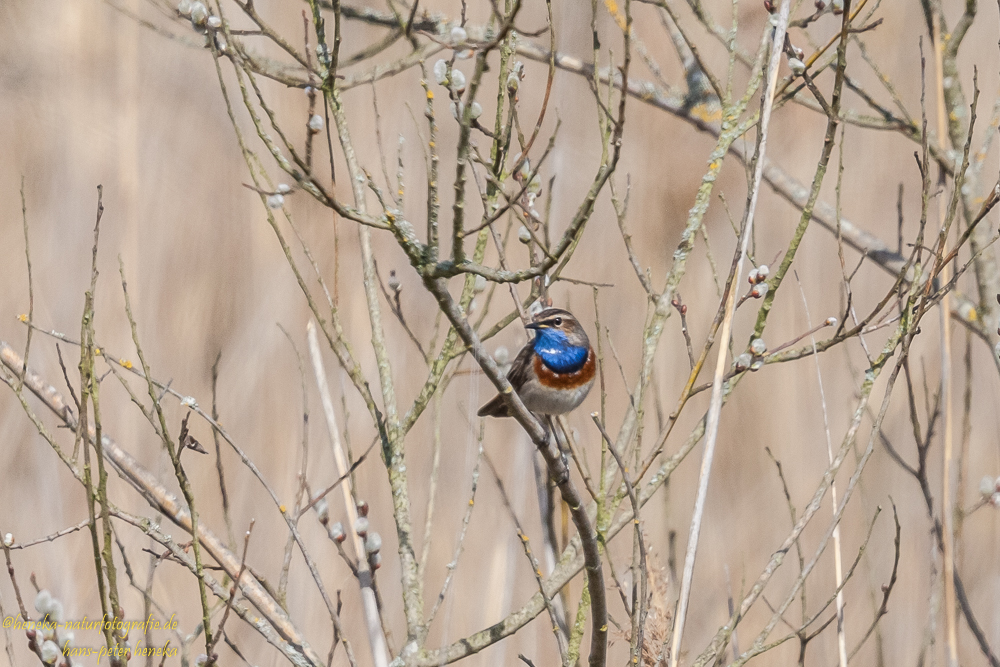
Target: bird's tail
{"x": 495, "y": 408}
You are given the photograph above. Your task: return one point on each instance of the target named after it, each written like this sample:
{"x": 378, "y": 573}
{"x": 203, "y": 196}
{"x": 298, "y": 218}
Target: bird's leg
{"x": 546, "y": 422}
{"x": 551, "y": 440}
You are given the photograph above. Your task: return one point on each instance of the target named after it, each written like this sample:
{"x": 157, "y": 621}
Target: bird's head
{"x": 558, "y": 326}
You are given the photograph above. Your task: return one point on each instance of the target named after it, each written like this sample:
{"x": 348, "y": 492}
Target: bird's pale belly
{"x": 549, "y": 401}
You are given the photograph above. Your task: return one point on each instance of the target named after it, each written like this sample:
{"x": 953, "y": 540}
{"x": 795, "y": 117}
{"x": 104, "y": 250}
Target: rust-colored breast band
{"x": 550, "y": 379}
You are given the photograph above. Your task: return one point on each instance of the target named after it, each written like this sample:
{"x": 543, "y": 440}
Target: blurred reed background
{"x": 89, "y": 96}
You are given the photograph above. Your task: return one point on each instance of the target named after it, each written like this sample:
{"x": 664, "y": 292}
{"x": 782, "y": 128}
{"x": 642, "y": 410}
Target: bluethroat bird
{"x": 553, "y": 373}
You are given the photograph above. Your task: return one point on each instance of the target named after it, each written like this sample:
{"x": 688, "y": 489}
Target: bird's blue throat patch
{"x": 557, "y": 353}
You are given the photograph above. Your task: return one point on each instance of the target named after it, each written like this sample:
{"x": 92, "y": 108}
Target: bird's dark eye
{"x": 557, "y": 321}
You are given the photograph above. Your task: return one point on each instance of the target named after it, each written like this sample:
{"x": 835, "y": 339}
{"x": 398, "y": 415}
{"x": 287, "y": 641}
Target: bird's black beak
{"x": 534, "y": 326}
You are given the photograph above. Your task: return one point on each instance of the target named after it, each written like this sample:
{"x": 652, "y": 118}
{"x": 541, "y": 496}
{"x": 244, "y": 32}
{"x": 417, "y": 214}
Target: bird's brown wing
{"x": 518, "y": 375}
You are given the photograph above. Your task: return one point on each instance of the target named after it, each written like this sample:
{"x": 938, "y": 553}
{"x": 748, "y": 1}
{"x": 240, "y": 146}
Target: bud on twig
{"x": 199, "y": 13}
{"x": 50, "y": 652}
{"x": 458, "y": 36}
{"x": 323, "y": 511}
{"x": 43, "y": 602}
{"x": 441, "y": 72}
{"x": 337, "y": 533}
{"x": 743, "y": 362}
{"x": 514, "y": 78}
{"x": 457, "y": 81}
{"x": 758, "y": 275}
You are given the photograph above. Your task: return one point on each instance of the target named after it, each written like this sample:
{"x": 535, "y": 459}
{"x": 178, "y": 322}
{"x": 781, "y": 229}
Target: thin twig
{"x": 51, "y": 538}
{"x": 31, "y": 286}
{"x": 371, "y": 615}
{"x": 712, "y": 424}
{"x": 212, "y": 656}
{"x": 837, "y": 563}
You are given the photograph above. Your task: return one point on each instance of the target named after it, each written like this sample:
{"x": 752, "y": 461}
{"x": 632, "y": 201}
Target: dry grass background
{"x": 87, "y": 96}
